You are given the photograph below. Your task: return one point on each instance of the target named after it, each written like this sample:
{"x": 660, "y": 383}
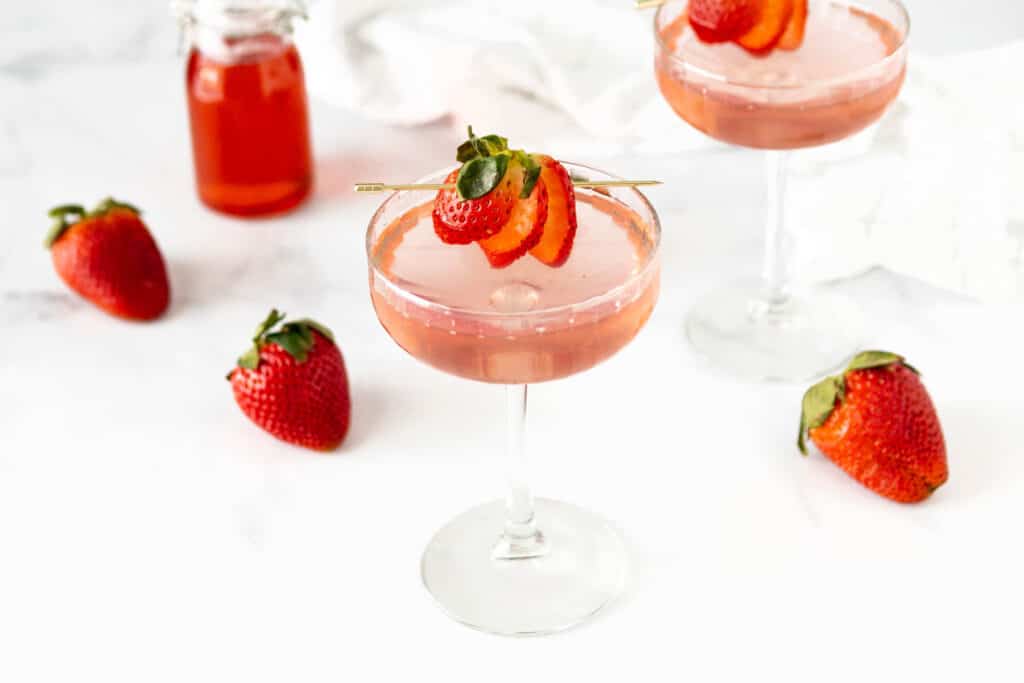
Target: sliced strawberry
{"x": 560, "y": 227}
{"x": 765, "y": 34}
{"x": 793, "y": 36}
{"x": 461, "y": 221}
{"x": 525, "y": 226}
{"x": 718, "y": 21}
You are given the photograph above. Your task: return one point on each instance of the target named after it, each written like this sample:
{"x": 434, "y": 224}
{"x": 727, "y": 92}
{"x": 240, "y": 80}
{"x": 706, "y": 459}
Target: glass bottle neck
{"x": 236, "y": 30}
{"x": 239, "y": 47}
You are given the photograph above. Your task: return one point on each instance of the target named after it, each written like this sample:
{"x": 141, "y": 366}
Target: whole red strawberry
{"x": 108, "y": 256}
{"x": 877, "y": 422}
{"x": 292, "y": 383}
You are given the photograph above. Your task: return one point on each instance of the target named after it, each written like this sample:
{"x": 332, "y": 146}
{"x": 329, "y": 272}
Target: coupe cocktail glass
{"x": 847, "y": 72}
{"x": 519, "y": 566}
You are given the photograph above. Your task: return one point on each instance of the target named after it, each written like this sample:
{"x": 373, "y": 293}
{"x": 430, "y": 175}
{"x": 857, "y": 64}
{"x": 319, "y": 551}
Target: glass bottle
{"x": 247, "y": 105}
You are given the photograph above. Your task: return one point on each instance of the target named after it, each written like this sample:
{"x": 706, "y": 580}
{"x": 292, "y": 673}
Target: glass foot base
{"x": 582, "y": 570}
{"x": 804, "y": 338}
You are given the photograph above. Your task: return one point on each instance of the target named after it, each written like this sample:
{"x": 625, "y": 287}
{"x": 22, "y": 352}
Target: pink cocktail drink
{"x": 526, "y": 323}
{"x": 520, "y": 565}
{"x": 840, "y": 80}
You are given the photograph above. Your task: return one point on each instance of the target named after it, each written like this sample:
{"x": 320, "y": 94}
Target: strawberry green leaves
{"x": 314, "y": 325}
{"x": 66, "y": 215}
{"x": 484, "y": 164}
{"x": 296, "y": 338}
{"x": 488, "y": 145}
{"x": 251, "y": 358}
{"x": 481, "y": 175}
{"x": 532, "y": 173}
{"x": 485, "y": 161}
{"x": 875, "y": 359}
{"x": 268, "y": 324}
{"x": 818, "y": 404}
{"x": 109, "y": 204}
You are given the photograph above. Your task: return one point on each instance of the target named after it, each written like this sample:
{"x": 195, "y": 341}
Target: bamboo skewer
{"x": 385, "y": 187}
{"x": 649, "y": 4}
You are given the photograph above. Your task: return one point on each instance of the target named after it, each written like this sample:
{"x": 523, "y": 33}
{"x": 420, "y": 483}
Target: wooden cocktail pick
{"x": 649, "y": 4}
{"x": 385, "y": 187}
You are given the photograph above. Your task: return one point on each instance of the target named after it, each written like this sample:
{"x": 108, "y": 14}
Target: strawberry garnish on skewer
{"x": 759, "y": 26}
{"x": 508, "y": 202}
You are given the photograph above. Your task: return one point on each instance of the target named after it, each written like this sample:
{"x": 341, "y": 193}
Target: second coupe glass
{"x": 848, "y": 70}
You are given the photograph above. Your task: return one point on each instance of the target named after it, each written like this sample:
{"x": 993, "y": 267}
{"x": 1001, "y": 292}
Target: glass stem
{"x": 520, "y": 538}
{"x": 776, "y": 244}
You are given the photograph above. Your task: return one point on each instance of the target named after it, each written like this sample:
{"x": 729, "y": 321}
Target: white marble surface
{"x": 149, "y": 533}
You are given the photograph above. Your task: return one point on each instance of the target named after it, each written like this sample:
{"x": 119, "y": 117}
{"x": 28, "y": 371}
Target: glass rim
{"x": 253, "y": 16}
{"x": 652, "y": 258}
{"x": 843, "y": 78}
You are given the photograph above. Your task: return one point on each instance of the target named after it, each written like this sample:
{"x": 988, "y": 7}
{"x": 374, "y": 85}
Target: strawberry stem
{"x": 109, "y": 204}
{"x": 873, "y": 359}
{"x": 65, "y": 210}
{"x": 818, "y": 403}
{"x": 474, "y": 147}
{"x": 475, "y": 141}
{"x": 64, "y": 216}
{"x": 272, "y": 319}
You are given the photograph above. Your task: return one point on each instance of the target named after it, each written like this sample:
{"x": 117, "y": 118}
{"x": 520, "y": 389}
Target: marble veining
{"x": 149, "y": 532}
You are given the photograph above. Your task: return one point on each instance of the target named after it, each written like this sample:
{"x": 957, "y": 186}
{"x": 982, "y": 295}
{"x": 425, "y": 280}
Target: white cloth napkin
{"x": 527, "y": 67}
{"x": 934, "y": 192}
